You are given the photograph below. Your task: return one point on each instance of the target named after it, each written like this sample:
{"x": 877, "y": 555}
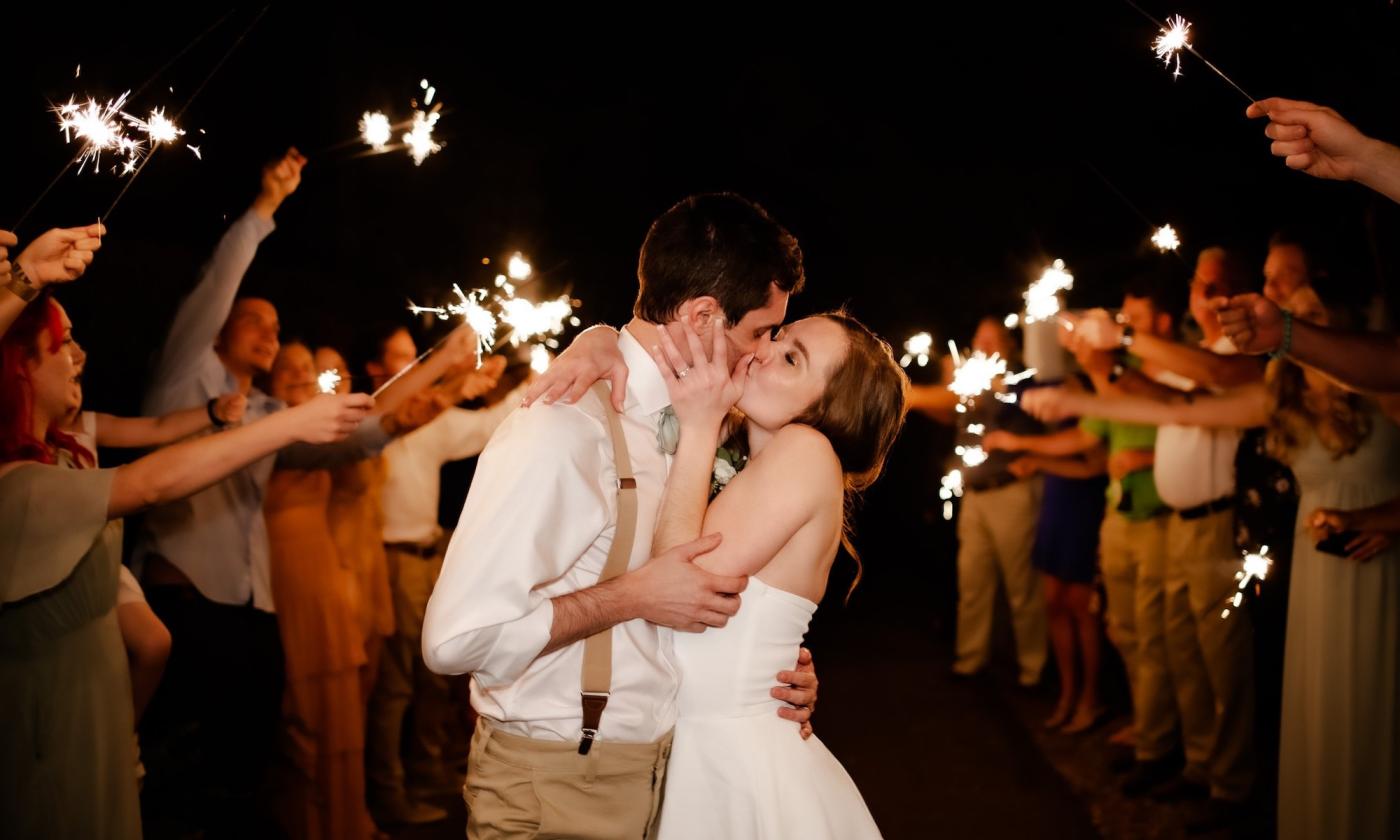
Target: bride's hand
{"x": 701, "y": 393}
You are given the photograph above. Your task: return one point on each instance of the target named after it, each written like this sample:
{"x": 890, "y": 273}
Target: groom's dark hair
{"x": 716, "y": 244}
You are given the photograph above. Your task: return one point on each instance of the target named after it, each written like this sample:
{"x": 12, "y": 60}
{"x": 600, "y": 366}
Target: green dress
{"x": 67, "y": 762}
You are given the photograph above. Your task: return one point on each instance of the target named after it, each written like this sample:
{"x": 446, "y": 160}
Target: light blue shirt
{"x": 218, "y": 537}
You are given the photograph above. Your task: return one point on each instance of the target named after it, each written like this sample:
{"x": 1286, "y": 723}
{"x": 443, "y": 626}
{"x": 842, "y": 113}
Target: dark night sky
{"x": 929, "y": 168}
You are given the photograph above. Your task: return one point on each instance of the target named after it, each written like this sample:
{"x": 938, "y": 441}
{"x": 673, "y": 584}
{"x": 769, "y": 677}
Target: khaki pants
{"x": 996, "y": 530}
{"x": 523, "y": 787}
{"x": 1133, "y": 559}
{"x": 404, "y": 681}
{"x": 1212, "y": 658}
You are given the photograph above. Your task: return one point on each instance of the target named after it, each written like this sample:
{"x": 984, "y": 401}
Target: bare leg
{"x": 1062, "y": 642}
{"x": 1078, "y": 599}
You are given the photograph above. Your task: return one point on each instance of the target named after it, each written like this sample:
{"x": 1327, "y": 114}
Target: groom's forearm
{"x": 579, "y": 615}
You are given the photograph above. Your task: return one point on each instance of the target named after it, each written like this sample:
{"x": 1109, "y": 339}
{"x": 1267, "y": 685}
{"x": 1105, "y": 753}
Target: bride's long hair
{"x": 861, "y": 412}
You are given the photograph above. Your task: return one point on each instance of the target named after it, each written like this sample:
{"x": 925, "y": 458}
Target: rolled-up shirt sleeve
{"x": 368, "y": 440}
{"x": 542, "y": 495}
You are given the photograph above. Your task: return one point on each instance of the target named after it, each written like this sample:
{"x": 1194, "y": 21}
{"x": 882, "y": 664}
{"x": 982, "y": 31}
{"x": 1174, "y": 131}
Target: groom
{"x": 519, "y": 590}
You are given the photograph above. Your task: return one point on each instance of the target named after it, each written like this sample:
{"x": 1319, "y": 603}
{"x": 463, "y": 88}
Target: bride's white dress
{"x": 737, "y": 770}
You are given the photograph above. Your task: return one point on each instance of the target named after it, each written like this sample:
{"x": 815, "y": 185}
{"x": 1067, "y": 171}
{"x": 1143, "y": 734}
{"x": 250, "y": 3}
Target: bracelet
{"x": 214, "y": 418}
{"x": 1287, "y": 344}
{"x": 19, "y": 284}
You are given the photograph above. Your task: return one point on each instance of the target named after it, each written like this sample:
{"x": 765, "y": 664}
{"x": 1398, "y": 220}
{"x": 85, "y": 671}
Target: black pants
{"x": 210, "y": 734}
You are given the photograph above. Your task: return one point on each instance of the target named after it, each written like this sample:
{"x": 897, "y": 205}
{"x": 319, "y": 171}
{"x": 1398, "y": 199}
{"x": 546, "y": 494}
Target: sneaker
{"x": 1147, "y": 775}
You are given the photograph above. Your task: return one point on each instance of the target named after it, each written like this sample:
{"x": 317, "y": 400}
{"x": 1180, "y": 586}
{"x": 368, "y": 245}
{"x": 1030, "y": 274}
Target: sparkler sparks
{"x": 539, "y": 358}
{"x": 530, "y": 320}
{"x": 1255, "y": 567}
{"x": 1012, "y": 321}
{"x": 1172, "y": 41}
{"x": 519, "y": 268}
{"x": 157, "y": 127}
{"x": 97, "y": 127}
{"x": 469, "y": 307}
{"x": 1165, "y": 239}
{"x": 375, "y": 130}
{"x": 419, "y": 138}
{"x": 919, "y": 346}
{"x": 1043, "y": 296}
{"x": 951, "y": 488}
{"x": 328, "y": 381}
{"x": 972, "y": 456}
{"x": 975, "y": 374}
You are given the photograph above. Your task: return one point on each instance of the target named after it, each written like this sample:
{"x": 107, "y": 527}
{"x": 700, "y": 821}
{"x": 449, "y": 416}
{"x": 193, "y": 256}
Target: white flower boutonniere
{"x": 728, "y": 463}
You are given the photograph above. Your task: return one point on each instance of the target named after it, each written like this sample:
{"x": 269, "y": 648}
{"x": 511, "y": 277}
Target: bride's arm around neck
{"x": 793, "y": 486}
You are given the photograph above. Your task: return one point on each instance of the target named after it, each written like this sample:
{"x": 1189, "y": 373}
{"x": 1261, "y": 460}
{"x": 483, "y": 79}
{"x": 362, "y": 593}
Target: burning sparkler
{"x": 976, "y": 374}
{"x": 375, "y": 130}
{"x": 1171, "y": 42}
{"x": 1174, "y": 38}
{"x": 1165, "y": 239}
{"x": 1255, "y": 567}
{"x": 97, "y": 127}
{"x": 328, "y": 381}
{"x": 157, "y": 127}
{"x": 469, "y": 307}
{"x": 951, "y": 488}
{"x": 519, "y": 268}
{"x": 1043, "y": 296}
{"x": 419, "y": 138}
{"x": 530, "y": 320}
{"x": 919, "y": 346}
{"x": 972, "y": 456}
{"x": 539, "y": 358}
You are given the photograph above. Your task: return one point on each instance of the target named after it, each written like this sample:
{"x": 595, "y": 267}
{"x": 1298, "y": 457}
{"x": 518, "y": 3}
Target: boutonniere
{"x": 728, "y": 463}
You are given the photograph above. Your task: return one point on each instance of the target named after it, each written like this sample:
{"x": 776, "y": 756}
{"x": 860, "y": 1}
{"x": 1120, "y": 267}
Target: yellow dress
{"x": 323, "y": 720}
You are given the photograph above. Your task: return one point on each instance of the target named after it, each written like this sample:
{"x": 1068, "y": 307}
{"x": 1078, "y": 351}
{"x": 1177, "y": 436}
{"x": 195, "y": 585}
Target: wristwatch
{"x": 20, "y": 285}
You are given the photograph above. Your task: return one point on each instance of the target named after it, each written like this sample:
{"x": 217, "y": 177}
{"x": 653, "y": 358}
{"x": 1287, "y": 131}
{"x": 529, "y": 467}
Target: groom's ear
{"x": 701, "y": 312}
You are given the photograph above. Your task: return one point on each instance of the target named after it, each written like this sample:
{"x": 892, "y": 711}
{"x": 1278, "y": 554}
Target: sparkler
{"x": 519, "y": 268}
{"x": 1165, "y": 239}
{"x": 98, "y": 127}
{"x": 975, "y": 374}
{"x": 1172, "y": 39}
{"x": 419, "y": 138}
{"x": 1043, "y": 296}
{"x": 529, "y": 320}
{"x": 328, "y": 381}
{"x": 539, "y": 358}
{"x": 469, "y": 307}
{"x": 376, "y": 130}
{"x": 158, "y": 128}
{"x": 951, "y": 487}
{"x": 1012, "y": 321}
{"x": 919, "y": 346}
{"x": 1255, "y": 567}
{"x": 1171, "y": 42}
{"x": 972, "y": 456}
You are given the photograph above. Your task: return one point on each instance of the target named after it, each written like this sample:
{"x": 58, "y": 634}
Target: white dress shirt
{"x": 1195, "y": 465}
{"x": 538, "y": 523}
{"x": 413, "y": 467}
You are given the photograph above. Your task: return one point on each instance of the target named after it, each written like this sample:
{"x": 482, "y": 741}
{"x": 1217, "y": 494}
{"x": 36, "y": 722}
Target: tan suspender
{"x": 597, "y": 649}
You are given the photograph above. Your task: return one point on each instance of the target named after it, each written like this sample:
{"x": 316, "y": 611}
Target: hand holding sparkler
{"x": 1050, "y": 405}
{"x": 60, "y": 255}
{"x": 7, "y": 241}
{"x": 279, "y": 180}
{"x": 229, "y": 408}
{"x": 592, "y": 356}
{"x": 1252, "y": 322}
{"x": 1097, "y": 330}
{"x": 1317, "y": 140}
{"x": 327, "y": 418}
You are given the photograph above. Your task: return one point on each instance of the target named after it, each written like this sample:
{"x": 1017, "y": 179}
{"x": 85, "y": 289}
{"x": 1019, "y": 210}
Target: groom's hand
{"x": 799, "y": 691}
{"x": 672, "y": 591}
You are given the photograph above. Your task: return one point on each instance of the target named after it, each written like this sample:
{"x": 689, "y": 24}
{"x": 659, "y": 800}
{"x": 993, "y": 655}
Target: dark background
{"x": 930, "y": 164}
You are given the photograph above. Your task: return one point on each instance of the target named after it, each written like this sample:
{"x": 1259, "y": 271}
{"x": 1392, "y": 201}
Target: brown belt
{"x": 425, "y": 552}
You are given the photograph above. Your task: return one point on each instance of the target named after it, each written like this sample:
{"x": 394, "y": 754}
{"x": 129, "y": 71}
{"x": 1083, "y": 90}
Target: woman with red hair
{"x": 65, "y": 712}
